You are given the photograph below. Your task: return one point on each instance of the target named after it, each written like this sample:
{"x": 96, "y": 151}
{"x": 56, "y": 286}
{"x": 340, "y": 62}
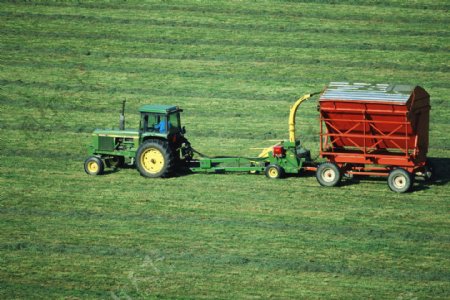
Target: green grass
{"x": 235, "y": 67}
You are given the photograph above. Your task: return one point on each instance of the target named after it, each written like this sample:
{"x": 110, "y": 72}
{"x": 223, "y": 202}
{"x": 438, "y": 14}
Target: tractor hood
{"x": 116, "y": 132}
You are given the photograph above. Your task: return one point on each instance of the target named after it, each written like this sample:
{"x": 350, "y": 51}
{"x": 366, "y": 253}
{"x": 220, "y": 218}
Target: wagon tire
{"x": 94, "y": 166}
{"x": 274, "y": 172}
{"x": 155, "y": 159}
{"x": 328, "y": 174}
{"x": 400, "y": 180}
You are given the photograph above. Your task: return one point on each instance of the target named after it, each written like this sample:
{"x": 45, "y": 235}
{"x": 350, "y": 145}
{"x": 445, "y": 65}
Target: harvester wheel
{"x": 94, "y": 166}
{"x": 154, "y": 159}
{"x": 400, "y": 180}
{"x": 274, "y": 171}
{"x": 328, "y": 174}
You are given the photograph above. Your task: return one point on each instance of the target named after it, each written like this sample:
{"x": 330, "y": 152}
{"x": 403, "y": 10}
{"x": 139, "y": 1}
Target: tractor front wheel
{"x": 400, "y": 180}
{"x": 328, "y": 174}
{"x": 274, "y": 171}
{"x": 154, "y": 159}
{"x": 94, "y": 166}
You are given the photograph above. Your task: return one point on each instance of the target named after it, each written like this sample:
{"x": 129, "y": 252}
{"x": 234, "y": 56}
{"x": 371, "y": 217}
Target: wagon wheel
{"x": 328, "y": 174}
{"x": 274, "y": 171}
{"x": 154, "y": 159}
{"x": 94, "y": 166}
{"x": 400, "y": 180}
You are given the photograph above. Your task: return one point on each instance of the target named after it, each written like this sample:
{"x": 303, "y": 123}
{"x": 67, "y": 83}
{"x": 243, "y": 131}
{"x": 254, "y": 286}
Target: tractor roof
{"x": 157, "y": 108}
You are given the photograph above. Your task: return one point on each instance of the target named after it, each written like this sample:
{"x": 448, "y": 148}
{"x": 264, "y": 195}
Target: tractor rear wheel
{"x": 328, "y": 174}
{"x": 154, "y": 159}
{"x": 400, "y": 180}
{"x": 94, "y": 166}
{"x": 274, "y": 171}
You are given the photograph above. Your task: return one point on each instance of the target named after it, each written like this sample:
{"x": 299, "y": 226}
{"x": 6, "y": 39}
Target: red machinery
{"x": 377, "y": 130}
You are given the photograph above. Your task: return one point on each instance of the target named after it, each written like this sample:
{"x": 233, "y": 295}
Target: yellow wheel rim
{"x": 273, "y": 172}
{"x": 152, "y": 160}
{"x": 92, "y": 167}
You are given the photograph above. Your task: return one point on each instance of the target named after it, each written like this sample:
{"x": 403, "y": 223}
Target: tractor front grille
{"x": 106, "y": 143}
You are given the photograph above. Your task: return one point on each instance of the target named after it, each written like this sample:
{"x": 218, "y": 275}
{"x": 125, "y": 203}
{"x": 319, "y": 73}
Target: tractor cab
{"x": 157, "y": 148}
{"x": 160, "y": 120}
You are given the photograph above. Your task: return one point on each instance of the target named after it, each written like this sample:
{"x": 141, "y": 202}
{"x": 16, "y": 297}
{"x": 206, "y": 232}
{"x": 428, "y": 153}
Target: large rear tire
{"x": 155, "y": 159}
{"x": 400, "y": 180}
{"x": 328, "y": 174}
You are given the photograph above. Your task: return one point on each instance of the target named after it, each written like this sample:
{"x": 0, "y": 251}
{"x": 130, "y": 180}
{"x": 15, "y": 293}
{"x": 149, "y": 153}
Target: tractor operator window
{"x": 145, "y": 123}
{"x": 174, "y": 123}
{"x": 161, "y": 124}
{"x": 149, "y": 122}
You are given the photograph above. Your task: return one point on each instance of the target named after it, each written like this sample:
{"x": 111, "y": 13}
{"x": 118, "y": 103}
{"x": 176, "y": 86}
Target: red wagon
{"x": 379, "y": 130}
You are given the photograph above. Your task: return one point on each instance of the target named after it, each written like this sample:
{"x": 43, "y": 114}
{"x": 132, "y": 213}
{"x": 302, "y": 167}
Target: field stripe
{"x": 367, "y": 234}
{"x": 307, "y": 24}
{"x": 297, "y": 265}
{"x": 320, "y": 11}
{"x": 242, "y": 41}
{"x": 153, "y": 56}
{"x": 421, "y": 5}
{"x": 137, "y": 5}
{"x": 167, "y": 66}
{"x": 23, "y": 289}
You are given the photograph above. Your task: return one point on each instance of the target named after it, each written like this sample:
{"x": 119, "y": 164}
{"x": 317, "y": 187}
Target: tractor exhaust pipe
{"x": 122, "y": 116}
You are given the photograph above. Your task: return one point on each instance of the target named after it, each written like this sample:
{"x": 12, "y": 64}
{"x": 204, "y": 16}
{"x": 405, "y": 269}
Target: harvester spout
{"x": 293, "y": 112}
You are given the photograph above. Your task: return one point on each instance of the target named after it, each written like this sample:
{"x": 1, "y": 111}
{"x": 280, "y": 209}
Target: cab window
{"x": 174, "y": 123}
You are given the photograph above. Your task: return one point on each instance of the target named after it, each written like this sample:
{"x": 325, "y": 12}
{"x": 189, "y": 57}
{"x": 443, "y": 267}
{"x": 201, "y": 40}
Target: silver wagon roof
{"x": 346, "y": 91}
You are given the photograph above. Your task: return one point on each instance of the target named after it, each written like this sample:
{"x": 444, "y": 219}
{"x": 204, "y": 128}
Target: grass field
{"x": 235, "y": 67}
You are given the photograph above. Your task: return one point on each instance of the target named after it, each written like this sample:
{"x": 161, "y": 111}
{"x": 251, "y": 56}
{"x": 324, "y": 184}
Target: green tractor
{"x": 157, "y": 148}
